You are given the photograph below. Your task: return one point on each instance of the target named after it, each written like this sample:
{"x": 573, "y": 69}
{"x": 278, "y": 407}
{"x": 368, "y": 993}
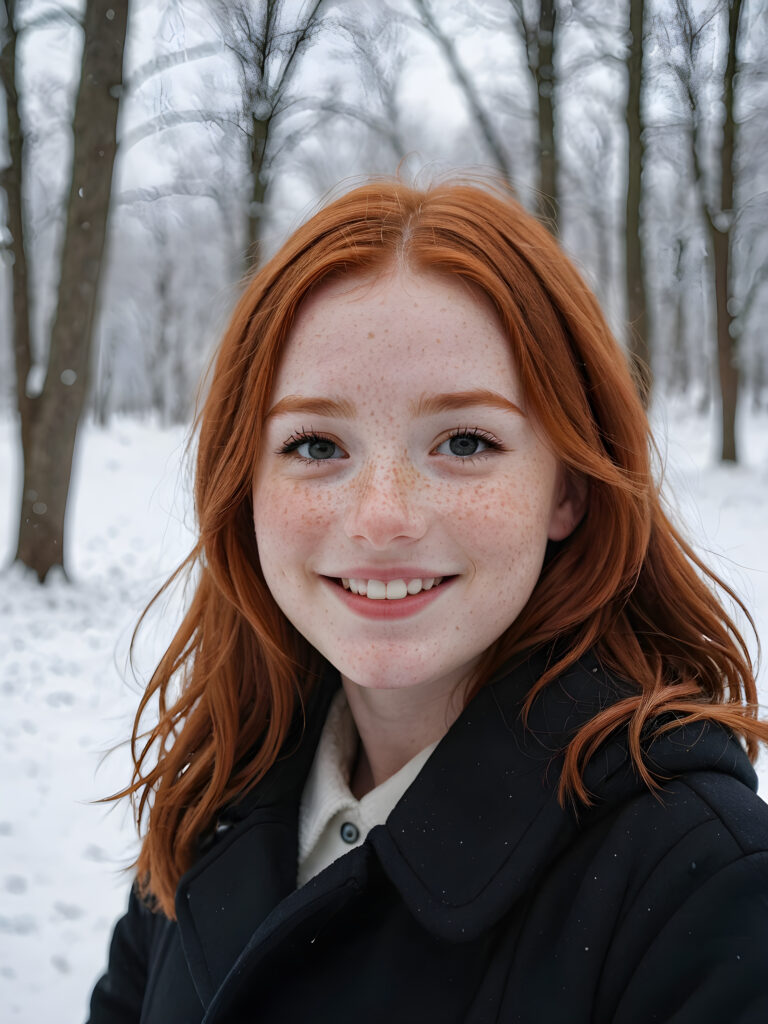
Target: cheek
{"x": 288, "y": 520}
{"x": 506, "y": 519}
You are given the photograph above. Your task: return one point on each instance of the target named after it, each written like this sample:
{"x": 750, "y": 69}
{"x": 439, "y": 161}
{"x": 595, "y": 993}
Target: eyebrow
{"x": 339, "y": 409}
{"x": 427, "y": 405}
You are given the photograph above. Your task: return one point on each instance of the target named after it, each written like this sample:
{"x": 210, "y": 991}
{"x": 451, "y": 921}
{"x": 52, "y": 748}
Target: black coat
{"x": 480, "y": 899}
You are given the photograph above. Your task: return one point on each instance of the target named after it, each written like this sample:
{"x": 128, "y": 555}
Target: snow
{"x": 68, "y": 697}
{"x": 67, "y": 700}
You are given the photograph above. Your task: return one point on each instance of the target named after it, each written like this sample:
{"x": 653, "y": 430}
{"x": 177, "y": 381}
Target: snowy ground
{"x": 67, "y": 697}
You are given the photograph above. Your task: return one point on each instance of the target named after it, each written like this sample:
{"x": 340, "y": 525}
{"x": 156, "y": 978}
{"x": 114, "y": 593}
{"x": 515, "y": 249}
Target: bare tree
{"x": 678, "y": 375}
{"x": 714, "y": 177}
{"x": 171, "y": 372}
{"x": 379, "y": 55}
{"x": 637, "y": 315}
{"x": 720, "y": 223}
{"x": 592, "y": 147}
{"x": 485, "y": 124}
{"x": 49, "y": 417}
{"x": 536, "y": 25}
{"x": 11, "y": 179}
{"x": 267, "y": 45}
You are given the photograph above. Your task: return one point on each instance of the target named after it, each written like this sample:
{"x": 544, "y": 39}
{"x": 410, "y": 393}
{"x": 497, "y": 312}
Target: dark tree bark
{"x": 678, "y": 372}
{"x": 258, "y": 184}
{"x": 50, "y": 419}
{"x": 544, "y": 76}
{"x": 720, "y": 230}
{"x": 11, "y": 179}
{"x": 538, "y": 34}
{"x": 637, "y": 315}
{"x": 717, "y": 203}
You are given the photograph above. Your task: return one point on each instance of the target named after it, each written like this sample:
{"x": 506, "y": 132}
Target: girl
{"x": 455, "y": 727}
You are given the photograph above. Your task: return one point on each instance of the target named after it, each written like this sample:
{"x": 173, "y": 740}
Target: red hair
{"x": 625, "y": 584}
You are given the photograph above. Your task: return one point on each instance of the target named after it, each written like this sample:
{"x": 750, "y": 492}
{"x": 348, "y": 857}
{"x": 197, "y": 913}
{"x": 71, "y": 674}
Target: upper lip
{"x": 391, "y": 573}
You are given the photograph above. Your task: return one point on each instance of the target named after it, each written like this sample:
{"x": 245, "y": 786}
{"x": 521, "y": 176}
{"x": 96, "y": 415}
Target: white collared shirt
{"x": 331, "y": 820}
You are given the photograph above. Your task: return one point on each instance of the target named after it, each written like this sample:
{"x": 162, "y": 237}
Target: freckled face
{"x": 397, "y": 451}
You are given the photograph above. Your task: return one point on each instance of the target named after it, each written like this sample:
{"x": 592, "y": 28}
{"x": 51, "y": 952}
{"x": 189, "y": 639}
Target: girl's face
{"x": 404, "y": 499}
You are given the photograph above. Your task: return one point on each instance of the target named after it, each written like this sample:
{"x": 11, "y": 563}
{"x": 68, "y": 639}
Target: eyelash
{"x": 302, "y": 437}
{"x": 481, "y": 435}
{"x": 289, "y": 447}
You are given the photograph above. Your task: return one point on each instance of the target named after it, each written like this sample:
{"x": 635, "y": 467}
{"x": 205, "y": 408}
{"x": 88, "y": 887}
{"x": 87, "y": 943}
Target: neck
{"x": 395, "y": 725}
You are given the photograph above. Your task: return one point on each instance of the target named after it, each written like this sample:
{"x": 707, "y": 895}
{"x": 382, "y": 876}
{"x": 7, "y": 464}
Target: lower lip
{"x": 400, "y": 608}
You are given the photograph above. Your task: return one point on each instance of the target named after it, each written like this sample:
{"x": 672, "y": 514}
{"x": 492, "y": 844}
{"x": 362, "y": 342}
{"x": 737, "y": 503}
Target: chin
{"x": 379, "y": 673}
{"x": 389, "y": 669}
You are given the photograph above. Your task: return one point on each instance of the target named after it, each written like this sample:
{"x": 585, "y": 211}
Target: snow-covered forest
{"x": 638, "y": 131}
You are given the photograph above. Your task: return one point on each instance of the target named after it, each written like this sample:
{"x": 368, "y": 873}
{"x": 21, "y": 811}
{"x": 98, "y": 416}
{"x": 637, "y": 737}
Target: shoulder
{"x": 734, "y": 805}
{"x": 693, "y": 827}
{"x": 715, "y": 829}
{"x": 690, "y": 936}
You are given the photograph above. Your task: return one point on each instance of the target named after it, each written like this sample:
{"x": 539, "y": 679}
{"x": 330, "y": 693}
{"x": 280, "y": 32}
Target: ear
{"x": 570, "y": 504}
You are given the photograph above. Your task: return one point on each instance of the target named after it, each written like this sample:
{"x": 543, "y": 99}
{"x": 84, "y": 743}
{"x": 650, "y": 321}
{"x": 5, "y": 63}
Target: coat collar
{"x": 482, "y": 821}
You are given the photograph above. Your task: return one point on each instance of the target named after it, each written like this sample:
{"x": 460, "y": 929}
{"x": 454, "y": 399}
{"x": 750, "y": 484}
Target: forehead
{"x": 394, "y": 332}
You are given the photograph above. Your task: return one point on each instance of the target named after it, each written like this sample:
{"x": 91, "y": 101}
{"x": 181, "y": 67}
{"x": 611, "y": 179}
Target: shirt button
{"x": 350, "y": 833}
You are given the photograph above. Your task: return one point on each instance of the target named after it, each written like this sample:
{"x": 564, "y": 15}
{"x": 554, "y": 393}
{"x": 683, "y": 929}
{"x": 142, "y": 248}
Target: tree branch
{"x": 446, "y": 44}
{"x": 171, "y": 60}
{"x": 189, "y": 189}
{"x": 173, "y": 119}
{"x": 300, "y": 39}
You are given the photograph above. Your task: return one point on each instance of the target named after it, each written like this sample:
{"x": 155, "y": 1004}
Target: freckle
{"x": 371, "y": 334}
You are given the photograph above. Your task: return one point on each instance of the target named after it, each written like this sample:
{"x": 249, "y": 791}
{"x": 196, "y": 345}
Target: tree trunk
{"x": 721, "y": 228}
{"x": 728, "y": 372}
{"x": 759, "y": 380}
{"x": 11, "y": 178}
{"x": 548, "y": 200}
{"x": 50, "y": 420}
{"x": 678, "y": 376}
{"x": 259, "y": 140}
{"x": 637, "y": 317}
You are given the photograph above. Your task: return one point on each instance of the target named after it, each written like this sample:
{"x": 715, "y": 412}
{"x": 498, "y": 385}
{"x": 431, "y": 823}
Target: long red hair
{"x": 625, "y": 584}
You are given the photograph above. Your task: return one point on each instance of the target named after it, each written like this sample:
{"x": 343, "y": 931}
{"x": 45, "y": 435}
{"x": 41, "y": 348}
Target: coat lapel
{"x": 482, "y": 820}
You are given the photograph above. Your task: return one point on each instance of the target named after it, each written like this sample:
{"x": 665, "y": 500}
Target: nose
{"x": 385, "y": 505}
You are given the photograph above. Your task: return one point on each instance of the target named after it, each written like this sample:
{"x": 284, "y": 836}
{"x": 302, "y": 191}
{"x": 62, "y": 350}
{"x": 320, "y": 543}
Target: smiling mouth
{"x": 392, "y": 590}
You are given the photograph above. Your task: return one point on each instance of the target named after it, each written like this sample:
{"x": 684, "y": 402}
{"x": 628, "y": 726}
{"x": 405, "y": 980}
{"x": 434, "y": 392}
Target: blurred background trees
{"x": 637, "y": 131}
{"x": 52, "y": 371}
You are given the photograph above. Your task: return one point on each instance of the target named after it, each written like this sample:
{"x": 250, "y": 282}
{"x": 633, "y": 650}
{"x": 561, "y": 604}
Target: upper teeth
{"x": 394, "y": 590}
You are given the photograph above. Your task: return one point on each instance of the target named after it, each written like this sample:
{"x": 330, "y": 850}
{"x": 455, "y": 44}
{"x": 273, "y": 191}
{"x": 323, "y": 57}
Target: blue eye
{"x": 466, "y": 443}
{"x": 319, "y": 448}
{"x": 462, "y": 445}
{"x": 312, "y": 448}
